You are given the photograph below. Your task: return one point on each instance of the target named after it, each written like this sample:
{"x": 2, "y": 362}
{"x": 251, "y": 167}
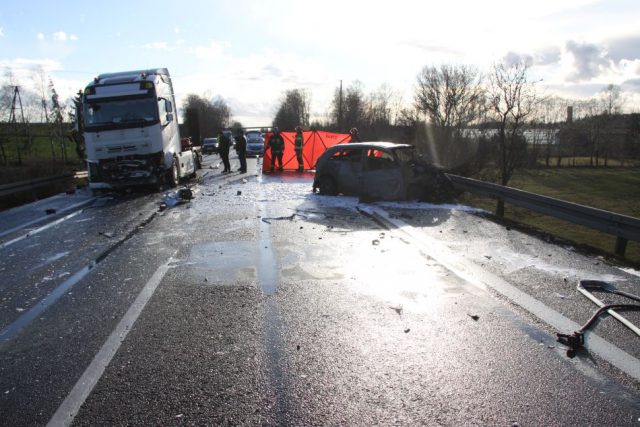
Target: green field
{"x": 612, "y": 189}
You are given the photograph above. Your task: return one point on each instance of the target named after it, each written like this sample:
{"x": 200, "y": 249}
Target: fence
{"x": 624, "y": 227}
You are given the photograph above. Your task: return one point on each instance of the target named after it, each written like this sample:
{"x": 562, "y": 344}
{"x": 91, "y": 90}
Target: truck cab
{"x": 131, "y": 131}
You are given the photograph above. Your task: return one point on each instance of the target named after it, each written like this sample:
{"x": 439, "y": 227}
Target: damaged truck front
{"x": 131, "y": 131}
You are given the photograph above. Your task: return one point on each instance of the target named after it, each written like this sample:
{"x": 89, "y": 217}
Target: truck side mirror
{"x": 169, "y": 117}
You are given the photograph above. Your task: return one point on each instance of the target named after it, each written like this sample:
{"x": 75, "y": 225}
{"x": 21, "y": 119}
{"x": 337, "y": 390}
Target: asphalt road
{"x": 260, "y": 303}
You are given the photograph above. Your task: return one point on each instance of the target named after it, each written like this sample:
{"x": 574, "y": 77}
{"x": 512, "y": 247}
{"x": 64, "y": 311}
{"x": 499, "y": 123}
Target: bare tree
{"x": 211, "y": 115}
{"x": 293, "y": 110}
{"x": 40, "y": 83}
{"x": 547, "y": 119}
{"x": 348, "y": 107}
{"x": 512, "y": 99}
{"x": 57, "y": 121}
{"x": 452, "y": 97}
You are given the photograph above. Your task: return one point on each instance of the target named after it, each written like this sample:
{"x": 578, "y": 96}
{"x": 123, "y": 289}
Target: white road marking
{"x": 38, "y": 230}
{"x": 69, "y": 408}
{"x": 474, "y": 274}
{"x": 37, "y": 220}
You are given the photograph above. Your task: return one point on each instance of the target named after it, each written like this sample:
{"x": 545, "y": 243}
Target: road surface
{"x": 261, "y": 303}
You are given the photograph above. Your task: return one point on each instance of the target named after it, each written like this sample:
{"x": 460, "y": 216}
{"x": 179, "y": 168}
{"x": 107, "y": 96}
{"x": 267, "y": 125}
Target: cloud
{"x": 541, "y": 57}
{"x": 624, "y": 48}
{"x": 40, "y": 36}
{"x": 432, "y": 47}
{"x": 547, "y": 56}
{"x": 61, "y": 36}
{"x": 1, "y": 32}
{"x": 513, "y": 58}
{"x": 589, "y": 60}
{"x": 631, "y": 84}
{"x": 209, "y": 52}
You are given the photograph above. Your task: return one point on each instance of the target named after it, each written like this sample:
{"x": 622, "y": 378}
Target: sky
{"x": 250, "y": 52}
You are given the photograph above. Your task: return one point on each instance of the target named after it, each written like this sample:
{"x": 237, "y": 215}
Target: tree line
{"x": 464, "y": 120}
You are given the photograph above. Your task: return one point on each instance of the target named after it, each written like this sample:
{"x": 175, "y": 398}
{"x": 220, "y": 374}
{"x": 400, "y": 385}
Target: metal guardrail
{"x": 32, "y": 184}
{"x": 624, "y": 227}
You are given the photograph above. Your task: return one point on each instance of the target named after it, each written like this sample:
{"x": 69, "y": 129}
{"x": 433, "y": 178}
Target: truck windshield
{"x": 120, "y": 113}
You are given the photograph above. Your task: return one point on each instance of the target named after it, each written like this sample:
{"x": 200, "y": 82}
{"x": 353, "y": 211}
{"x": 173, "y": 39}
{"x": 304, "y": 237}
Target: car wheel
{"x": 173, "y": 177}
{"x": 328, "y": 186}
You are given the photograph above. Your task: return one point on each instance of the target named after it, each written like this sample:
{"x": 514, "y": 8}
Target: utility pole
{"x": 340, "y": 109}
{"x": 14, "y": 122}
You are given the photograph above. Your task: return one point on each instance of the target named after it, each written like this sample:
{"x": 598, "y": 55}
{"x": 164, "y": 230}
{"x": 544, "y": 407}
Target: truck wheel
{"x": 328, "y": 186}
{"x": 173, "y": 177}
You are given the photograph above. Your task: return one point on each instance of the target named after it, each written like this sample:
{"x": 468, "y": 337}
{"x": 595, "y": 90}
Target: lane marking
{"x": 69, "y": 408}
{"x": 474, "y": 274}
{"x": 40, "y": 229}
{"x": 10, "y": 331}
{"x": 37, "y": 220}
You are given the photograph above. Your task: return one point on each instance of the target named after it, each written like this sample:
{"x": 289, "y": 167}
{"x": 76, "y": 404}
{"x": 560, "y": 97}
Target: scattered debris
{"x": 298, "y": 347}
{"x": 575, "y": 341}
{"x": 406, "y": 331}
{"x": 488, "y": 256}
{"x": 375, "y": 242}
{"x": 474, "y": 316}
{"x": 50, "y": 211}
{"x": 105, "y": 234}
{"x": 239, "y": 193}
{"x": 185, "y": 194}
{"x": 280, "y": 218}
{"x": 397, "y": 309}
{"x": 244, "y": 180}
{"x": 176, "y": 197}
{"x": 162, "y": 206}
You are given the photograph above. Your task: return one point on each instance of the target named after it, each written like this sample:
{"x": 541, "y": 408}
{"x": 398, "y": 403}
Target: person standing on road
{"x": 354, "y": 135}
{"x": 241, "y": 150}
{"x": 299, "y": 145}
{"x": 223, "y": 148}
{"x": 276, "y": 144}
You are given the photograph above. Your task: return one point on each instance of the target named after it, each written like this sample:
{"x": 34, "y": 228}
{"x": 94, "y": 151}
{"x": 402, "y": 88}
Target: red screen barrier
{"x": 315, "y": 143}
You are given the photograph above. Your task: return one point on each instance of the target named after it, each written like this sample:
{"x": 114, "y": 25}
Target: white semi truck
{"x": 131, "y": 132}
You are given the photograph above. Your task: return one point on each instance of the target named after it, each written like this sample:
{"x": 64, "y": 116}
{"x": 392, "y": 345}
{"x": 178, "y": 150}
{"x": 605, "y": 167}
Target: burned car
{"x": 380, "y": 171}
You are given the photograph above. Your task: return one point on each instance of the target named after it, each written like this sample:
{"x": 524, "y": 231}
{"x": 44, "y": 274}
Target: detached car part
{"x": 575, "y": 341}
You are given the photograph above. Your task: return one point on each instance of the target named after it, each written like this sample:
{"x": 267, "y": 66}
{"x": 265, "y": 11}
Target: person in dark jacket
{"x": 276, "y": 144}
{"x": 223, "y": 149}
{"x": 355, "y": 137}
{"x": 241, "y": 150}
{"x": 299, "y": 146}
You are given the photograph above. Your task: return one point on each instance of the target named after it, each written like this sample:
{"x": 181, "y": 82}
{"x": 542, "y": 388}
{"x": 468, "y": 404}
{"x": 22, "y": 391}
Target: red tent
{"x": 315, "y": 143}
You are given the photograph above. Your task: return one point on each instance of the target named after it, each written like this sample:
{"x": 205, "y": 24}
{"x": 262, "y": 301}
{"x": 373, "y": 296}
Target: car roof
{"x": 373, "y": 144}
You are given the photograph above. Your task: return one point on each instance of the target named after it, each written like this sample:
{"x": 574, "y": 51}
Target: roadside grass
{"x": 568, "y": 162}
{"x": 612, "y": 189}
{"x": 37, "y": 160}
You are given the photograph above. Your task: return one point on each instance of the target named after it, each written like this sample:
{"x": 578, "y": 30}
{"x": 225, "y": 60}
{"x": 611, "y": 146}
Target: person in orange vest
{"x": 299, "y": 145}
{"x": 276, "y": 144}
